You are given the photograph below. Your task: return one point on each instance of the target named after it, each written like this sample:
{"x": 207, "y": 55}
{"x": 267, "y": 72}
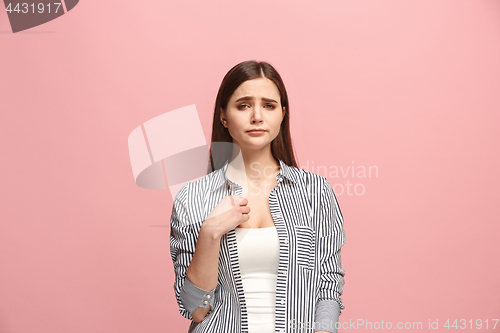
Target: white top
{"x": 258, "y": 255}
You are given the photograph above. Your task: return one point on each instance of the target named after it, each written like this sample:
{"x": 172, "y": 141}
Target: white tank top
{"x": 258, "y": 255}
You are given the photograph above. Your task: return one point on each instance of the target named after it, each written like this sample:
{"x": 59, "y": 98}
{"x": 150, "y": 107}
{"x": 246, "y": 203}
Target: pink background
{"x": 410, "y": 87}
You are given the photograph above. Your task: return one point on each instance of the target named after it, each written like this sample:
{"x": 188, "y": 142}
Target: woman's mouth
{"x": 256, "y": 132}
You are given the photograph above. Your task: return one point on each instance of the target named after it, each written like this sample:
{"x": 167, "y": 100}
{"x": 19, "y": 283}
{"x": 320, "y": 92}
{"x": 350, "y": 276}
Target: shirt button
{"x": 278, "y": 214}
{"x": 282, "y": 301}
{"x": 208, "y": 296}
{"x": 285, "y": 241}
{"x": 282, "y": 331}
{"x": 280, "y": 179}
{"x": 205, "y": 302}
{"x": 285, "y": 272}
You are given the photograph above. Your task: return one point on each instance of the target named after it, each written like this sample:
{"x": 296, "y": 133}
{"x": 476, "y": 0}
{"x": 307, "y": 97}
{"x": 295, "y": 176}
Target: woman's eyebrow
{"x": 269, "y": 100}
{"x": 247, "y": 98}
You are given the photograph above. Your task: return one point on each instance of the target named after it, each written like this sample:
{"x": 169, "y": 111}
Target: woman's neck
{"x": 255, "y": 167}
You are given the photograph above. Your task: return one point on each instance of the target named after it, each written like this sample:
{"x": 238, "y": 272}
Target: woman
{"x": 256, "y": 243}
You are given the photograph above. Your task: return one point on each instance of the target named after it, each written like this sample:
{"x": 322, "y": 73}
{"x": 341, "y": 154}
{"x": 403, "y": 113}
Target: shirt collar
{"x": 220, "y": 176}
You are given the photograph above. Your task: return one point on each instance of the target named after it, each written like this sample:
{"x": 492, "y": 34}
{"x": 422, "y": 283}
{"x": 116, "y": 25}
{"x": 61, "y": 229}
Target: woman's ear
{"x": 222, "y": 117}
{"x": 283, "y": 113}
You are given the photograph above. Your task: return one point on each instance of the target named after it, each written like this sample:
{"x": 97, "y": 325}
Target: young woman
{"x": 256, "y": 243}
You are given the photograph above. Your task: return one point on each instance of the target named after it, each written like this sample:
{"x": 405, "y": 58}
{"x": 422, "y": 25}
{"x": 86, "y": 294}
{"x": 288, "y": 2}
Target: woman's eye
{"x": 269, "y": 106}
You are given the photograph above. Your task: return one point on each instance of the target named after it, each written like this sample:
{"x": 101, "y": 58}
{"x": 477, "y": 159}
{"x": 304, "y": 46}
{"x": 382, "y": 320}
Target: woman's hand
{"x": 230, "y": 212}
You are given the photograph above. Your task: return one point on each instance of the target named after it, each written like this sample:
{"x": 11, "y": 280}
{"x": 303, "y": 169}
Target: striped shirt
{"x": 310, "y": 278}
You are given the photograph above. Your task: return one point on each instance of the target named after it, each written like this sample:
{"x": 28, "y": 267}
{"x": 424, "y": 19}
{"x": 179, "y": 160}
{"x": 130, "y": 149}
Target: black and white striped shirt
{"x": 310, "y": 277}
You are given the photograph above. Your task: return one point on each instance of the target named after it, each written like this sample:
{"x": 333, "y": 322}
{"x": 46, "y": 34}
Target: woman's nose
{"x": 257, "y": 113}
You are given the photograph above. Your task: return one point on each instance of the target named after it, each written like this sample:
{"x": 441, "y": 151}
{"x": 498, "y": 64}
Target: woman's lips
{"x": 257, "y": 132}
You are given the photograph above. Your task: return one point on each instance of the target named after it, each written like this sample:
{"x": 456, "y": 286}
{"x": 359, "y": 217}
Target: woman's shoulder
{"x": 196, "y": 187}
{"x": 308, "y": 178}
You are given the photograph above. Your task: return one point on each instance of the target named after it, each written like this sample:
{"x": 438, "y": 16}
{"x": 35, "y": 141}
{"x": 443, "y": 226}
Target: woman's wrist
{"x": 211, "y": 229}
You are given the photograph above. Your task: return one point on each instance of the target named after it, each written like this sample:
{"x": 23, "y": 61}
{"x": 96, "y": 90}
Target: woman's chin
{"x": 255, "y": 145}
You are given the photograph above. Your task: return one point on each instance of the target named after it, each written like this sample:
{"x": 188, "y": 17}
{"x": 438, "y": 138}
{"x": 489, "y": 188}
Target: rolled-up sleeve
{"x": 182, "y": 246}
{"x": 331, "y": 284}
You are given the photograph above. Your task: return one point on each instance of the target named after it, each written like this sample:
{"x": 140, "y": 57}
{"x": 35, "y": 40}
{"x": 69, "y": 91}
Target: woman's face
{"x": 254, "y": 104}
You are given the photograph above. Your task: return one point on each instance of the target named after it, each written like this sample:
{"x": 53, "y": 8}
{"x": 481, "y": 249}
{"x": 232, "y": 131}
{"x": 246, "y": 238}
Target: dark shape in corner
{"x": 31, "y": 17}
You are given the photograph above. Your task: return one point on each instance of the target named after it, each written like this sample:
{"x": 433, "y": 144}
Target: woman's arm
{"x": 196, "y": 257}
{"x": 195, "y": 290}
{"x": 327, "y": 316}
{"x": 332, "y": 238}
{"x": 203, "y": 271}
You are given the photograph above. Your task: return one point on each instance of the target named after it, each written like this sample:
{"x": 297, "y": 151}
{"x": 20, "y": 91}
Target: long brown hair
{"x": 281, "y": 146}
